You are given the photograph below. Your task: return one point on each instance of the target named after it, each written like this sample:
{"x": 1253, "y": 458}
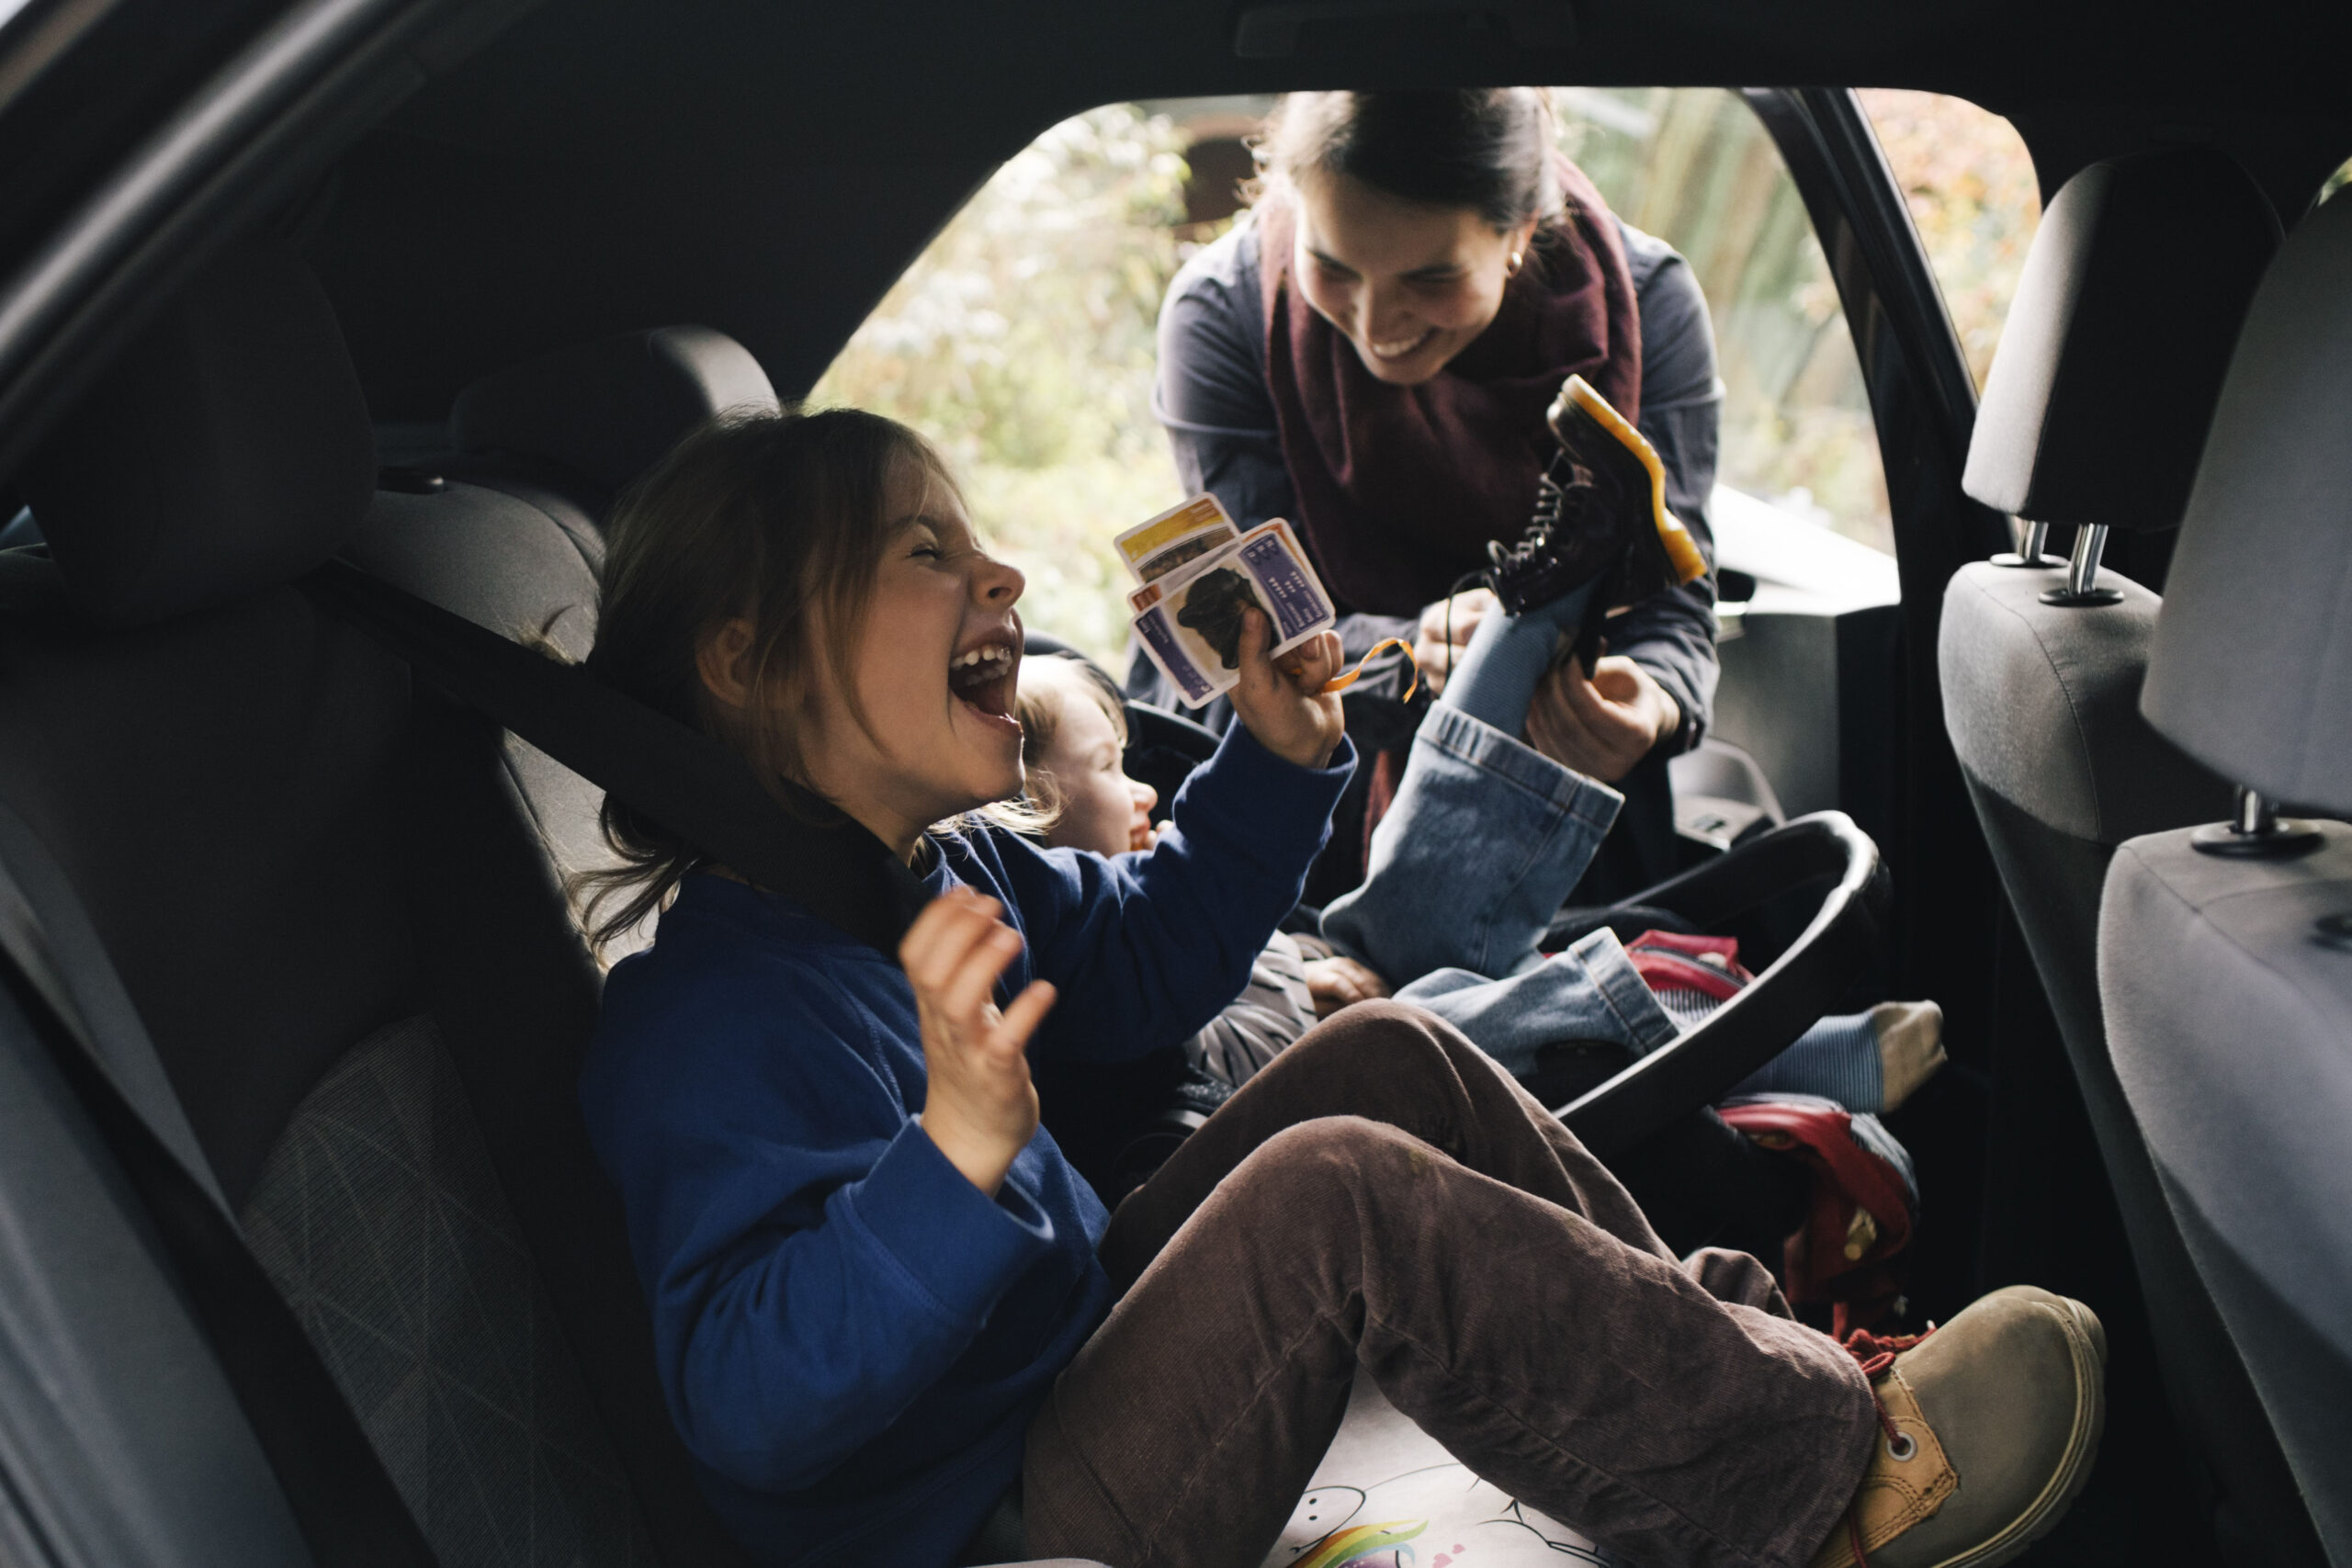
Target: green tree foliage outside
{"x": 1022, "y": 341}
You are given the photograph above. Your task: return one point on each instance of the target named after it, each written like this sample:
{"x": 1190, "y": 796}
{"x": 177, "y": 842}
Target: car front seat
{"x": 506, "y": 528}
{"x": 569, "y": 431}
{"x": 2108, "y": 369}
{"x": 2225, "y": 952}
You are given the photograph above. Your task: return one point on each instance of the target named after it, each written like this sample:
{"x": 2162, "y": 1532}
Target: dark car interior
{"x": 329, "y": 333}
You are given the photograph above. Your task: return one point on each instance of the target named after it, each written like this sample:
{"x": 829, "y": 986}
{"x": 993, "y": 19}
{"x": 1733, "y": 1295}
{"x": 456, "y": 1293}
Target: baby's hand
{"x": 1337, "y": 982}
{"x": 979, "y": 1107}
{"x": 1285, "y": 707}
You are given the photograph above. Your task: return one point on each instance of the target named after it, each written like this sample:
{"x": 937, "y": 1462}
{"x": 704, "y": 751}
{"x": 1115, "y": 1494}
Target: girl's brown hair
{"x": 778, "y": 518}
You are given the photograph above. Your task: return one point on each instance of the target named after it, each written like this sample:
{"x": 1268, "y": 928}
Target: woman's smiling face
{"x": 933, "y": 666}
{"x": 1410, "y": 285}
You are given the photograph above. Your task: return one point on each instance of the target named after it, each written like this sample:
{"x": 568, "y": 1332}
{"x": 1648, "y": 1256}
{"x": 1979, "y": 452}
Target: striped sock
{"x": 1838, "y": 1058}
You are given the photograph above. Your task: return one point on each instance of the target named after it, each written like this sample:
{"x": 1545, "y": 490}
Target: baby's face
{"x": 1103, "y": 809}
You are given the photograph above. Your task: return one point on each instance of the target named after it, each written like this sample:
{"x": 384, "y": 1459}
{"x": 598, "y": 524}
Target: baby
{"x": 1073, "y": 733}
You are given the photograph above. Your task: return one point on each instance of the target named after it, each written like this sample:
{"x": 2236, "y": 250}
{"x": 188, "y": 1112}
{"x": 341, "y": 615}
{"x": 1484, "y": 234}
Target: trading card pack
{"x": 1188, "y": 613}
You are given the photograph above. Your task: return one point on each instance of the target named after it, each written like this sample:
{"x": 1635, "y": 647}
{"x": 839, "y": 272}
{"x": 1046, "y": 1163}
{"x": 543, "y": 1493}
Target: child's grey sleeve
{"x": 1268, "y": 1017}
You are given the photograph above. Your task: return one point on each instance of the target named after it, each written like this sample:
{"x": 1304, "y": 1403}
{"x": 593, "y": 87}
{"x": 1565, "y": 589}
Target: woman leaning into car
{"x": 1370, "y": 351}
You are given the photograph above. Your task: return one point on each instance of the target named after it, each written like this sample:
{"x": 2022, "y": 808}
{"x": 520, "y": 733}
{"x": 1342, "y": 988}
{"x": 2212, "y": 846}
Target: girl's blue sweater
{"x": 851, "y": 1335}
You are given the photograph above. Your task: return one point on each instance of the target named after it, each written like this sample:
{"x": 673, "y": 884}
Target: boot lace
{"x": 1876, "y": 1353}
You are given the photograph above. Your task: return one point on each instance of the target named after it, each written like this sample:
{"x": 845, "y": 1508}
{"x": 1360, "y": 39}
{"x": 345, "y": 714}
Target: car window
{"x": 1696, "y": 168}
{"x": 1970, "y": 184}
{"x": 1022, "y": 340}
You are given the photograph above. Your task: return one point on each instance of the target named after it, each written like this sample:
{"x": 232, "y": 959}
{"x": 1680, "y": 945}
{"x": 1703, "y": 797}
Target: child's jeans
{"x": 1381, "y": 1195}
{"x": 1468, "y": 868}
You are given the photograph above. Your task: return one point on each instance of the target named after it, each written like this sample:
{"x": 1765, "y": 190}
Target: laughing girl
{"x": 888, "y": 1313}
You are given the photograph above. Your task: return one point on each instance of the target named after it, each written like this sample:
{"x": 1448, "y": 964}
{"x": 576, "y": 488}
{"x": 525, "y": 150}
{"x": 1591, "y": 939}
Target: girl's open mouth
{"x": 982, "y": 679}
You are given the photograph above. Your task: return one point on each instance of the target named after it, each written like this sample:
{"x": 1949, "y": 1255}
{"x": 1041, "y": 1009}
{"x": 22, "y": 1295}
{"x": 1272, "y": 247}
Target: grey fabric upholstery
{"x": 608, "y": 410}
{"x": 2252, "y": 667}
{"x": 283, "y": 847}
{"x": 2107, "y": 372}
{"x": 228, "y": 450}
{"x": 517, "y": 569}
{"x": 2043, "y": 702}
{"x": 381, "y": 1218}
{"x": 2233, "y": 1038}
{"x": 2115, "y": 345}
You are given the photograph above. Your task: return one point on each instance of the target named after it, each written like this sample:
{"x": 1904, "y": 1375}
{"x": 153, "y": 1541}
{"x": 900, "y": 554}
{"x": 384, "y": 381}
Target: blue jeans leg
{"x": 1467, "y": 870}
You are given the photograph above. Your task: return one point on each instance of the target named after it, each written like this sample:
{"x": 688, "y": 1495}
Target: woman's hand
{"x": 1446, "y": 631}
{"x": 1603, "y": 726}
{"x": 980, "y": 1108}
{"x": 1286, "y": 707}
{"x": 1336, "y": 982}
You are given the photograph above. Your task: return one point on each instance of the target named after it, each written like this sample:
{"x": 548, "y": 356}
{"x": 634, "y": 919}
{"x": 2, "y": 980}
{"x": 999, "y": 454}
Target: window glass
{"x": 1022, "y": 341}
{"x": 1970, "y": 184}
{"x": 1694, "y": 167}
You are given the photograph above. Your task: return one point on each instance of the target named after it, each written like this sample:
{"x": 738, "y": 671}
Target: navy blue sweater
{"x": 851, "y": 1335}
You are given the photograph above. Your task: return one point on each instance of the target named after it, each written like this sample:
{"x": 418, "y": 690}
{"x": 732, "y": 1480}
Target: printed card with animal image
{"x": 1189, "y": 620}
{"x": 1178, "y": 535}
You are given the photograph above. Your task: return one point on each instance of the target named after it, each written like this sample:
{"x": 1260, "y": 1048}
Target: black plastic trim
{"x": 1781, "y": 1004}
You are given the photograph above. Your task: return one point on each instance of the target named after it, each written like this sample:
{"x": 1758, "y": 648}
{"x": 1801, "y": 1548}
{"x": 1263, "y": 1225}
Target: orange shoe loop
{"x": 1341, "y": 683}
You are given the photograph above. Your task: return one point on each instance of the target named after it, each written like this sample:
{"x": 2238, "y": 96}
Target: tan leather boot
{"x": 1990, "y": 1424}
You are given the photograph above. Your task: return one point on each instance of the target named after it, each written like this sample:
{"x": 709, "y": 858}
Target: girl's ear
{"x": 724, "y": 663}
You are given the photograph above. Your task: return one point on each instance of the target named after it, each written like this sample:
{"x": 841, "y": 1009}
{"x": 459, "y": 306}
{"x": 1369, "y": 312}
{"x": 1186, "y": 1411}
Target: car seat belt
{"x": 681, "y": 778}
{"x": 344, "y": 1502}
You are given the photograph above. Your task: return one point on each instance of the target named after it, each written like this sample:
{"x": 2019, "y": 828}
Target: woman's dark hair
{"x": 1490, "y": 150}
{"x": 778, "y": 519}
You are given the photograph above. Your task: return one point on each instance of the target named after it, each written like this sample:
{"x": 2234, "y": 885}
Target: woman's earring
{"x": 1511, "y": 268}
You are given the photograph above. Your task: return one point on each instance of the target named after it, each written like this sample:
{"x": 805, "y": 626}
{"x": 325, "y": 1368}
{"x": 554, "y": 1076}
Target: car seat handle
{"x": 1698, "y": 1066}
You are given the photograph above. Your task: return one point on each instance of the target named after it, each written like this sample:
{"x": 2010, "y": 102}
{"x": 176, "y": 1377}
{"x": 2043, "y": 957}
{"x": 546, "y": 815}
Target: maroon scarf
{"x": 1400, "y": 488}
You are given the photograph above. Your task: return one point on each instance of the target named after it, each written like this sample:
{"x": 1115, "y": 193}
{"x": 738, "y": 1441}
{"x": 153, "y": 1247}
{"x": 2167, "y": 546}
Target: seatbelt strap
{"x": 343, "y": 1501}
{"x": 687, "y": 781}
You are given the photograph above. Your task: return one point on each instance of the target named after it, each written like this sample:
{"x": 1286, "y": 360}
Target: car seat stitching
{"x": 2320, "y": 1009}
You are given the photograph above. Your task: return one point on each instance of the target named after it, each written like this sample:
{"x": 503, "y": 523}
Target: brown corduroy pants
{"x": 1383, "y": 1195}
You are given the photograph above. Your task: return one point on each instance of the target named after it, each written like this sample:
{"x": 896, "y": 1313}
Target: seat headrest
{"x": 2116, "y": 342}
{"x": 2251, "y": 668}
{"x": 610, "y": 410}
{"x": 227, "y": 449}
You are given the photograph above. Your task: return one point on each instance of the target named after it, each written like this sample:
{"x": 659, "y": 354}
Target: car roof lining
{"x": 770, "y": 170}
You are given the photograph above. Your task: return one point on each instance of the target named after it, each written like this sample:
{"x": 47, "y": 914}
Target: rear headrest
{"x": 609, "y": 410}
{"x": 2251, "y": 669}
{"x": 2116, "y": 343}
{"x": 227, "y": 450}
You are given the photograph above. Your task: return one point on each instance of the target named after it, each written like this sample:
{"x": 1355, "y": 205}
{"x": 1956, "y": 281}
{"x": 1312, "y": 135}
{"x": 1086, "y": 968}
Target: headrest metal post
{"x": 2082, "y": 590}
{"x": 2028, "y": 550}
{"x": 2256, "y": 831}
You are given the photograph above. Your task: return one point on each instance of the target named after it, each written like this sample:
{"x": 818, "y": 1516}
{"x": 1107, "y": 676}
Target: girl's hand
{"x": 1446, "y": 631}
{"x": 1286, "y": 708}
{"x": 1336, "y": 982}
{"x": 1602, "y": 727}
{"x": 980, "y": 1108}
